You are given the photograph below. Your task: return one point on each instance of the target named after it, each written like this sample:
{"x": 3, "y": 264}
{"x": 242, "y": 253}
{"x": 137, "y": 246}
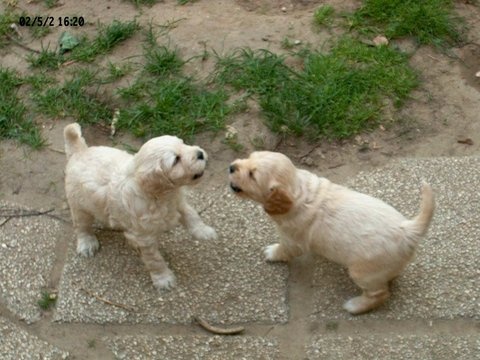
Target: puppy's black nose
{"x": 232, "y": 168}
{"x": 200, "y": 155}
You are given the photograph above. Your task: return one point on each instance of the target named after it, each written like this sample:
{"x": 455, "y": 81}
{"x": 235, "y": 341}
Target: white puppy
{"x": 373, "y": 240}
{"x": 141, "y": 194}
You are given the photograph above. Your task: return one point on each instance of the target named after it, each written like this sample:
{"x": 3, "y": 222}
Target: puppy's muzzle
{"x": 197, "y": 176}
{"x": 235, "y": 188}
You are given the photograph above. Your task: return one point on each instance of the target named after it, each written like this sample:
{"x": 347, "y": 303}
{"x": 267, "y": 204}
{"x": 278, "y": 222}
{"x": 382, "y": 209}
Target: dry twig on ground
{"x": 218, "y": 330}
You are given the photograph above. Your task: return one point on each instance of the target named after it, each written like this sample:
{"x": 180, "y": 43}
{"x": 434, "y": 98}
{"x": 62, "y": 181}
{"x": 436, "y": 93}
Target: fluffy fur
{"x": 369, "y": 237}
{"x": 141, "y": 194}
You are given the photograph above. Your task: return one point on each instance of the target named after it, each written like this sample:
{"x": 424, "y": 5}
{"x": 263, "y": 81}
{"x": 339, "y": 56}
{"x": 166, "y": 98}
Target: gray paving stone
{"x": 193, "y": 347}
{"x": 396, "y": 347}
{"x": 225, "y": 281}
{"x": 443, "y": 281}
{"x": 17, "y": 344}
{"x": 27, "y": 254}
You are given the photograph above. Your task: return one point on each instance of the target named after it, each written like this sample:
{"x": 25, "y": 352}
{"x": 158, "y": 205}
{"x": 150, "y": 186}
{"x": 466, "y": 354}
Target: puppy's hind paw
{"x": 204, "y": 233}
{"x": 87, "y": 245}
{"x": 362, "y": 304}
{"x": 163, "y": 281}
{"x": 274, "y": 253}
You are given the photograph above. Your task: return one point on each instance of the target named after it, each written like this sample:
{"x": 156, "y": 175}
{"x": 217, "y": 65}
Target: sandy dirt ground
{"x": 443, "y": 110}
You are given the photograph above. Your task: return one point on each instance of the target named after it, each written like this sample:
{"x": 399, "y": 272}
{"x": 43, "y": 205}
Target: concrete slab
{"x": 17, "y": 344}
{"x": 27, "y": 255}
{"x": 193, "y": 347}
{"x": 225, "y": 281}
{"x": 444, "y": 279}
{"x": 395, "y": 347}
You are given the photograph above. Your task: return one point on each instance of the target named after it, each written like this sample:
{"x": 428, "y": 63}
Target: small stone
{"x": 284, "y": 8}
{"x": 477, "y": 74}
{"x": 380, "y": 40}
{"x": 231, "y": 133}
{"x": 307, "y": 160}
{"x": 297, "y": 42}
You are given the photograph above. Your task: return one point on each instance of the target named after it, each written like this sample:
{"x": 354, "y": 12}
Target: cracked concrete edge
{"x": 396, "y": 347}
{"x": 194, "y": 347}
{"x": 18, "y": 344}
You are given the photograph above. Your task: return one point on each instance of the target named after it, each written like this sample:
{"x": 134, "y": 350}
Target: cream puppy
{"x": 372, "y": 239}
{"x": 140, "y": 194}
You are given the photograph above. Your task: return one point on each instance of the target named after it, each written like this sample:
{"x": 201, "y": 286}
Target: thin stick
{"x": 25, "y": 47}
{"x": 171, "y": 24}
{"x": 309, "y": 152}
{"x": 336, "y": 166}
{"x": 218, "y": 330}
{"x": 5, "y": 221}
{"x": 57, "y": 217}
{"x": 56, "y": 150}
{"x": 108, "y": 302}
{"x": 24, "y": 213}
{"x": 9, "y": 214}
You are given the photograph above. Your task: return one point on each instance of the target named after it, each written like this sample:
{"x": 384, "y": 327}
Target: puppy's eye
{"x": 177, "y": 160}
{"x": 250, "y": 173}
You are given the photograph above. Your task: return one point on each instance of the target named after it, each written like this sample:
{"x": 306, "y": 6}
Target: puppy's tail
{"x": 418, "y": 226}
{"x": 74, "y": 142}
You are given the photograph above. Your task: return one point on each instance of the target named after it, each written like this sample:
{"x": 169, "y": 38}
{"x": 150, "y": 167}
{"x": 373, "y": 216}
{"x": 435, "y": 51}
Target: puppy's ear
{"x": 279, "y": 201}
{"x": 152, "y": 182}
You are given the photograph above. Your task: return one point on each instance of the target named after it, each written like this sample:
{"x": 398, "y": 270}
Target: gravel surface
{"x": 395, "y": 347}
{"x": 193, "y": 347}
{"x": 17, "y": 344}
{"x": 27, "y": 254}
{"x": 225, "y": 281}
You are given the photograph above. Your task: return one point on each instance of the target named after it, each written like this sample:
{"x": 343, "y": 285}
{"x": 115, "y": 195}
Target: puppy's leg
{"x": 162, "y": 277}
{"x": 282, "y": 251}
{"x": 194, "y": 224}
{"x": 375, "y": 291}
{"x": 87, "y": 242}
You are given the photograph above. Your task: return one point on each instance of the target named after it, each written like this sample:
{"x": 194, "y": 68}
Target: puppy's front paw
{"x": 163, "y": 281}
{"x": 362, "y": 304}
{"x": 274, "y": 252}
{"x": 87, "y": 245}
{"x": 204, "y": 232}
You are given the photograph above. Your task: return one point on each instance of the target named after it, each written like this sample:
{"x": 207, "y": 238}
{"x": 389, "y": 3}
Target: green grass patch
{"x": 117, "y": 71}
{"x": 87, "y": 50}
{"x": 50, "y": 3}
{"x": 46, "y": 59}
{"x": 77, "y": 97}
{"x": 7, "y": 18}
{"x": 163, "y": 100}
{"x": 337, "y": 94}
{"x": 287, "y": 44}
{"x": 108, "y": 37}
{"x": 323, "y": 15}
{"x": 261, "y": 72}
{"x": 39, "y": 31}
{"x": 144, "y": 2}
{"x": 428, "y": 21}
{"x": 14, "y": 123}
{"x": 39, "y": 81}
{"x": 47, "y": 300}
{"x": 161, "y": 61}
